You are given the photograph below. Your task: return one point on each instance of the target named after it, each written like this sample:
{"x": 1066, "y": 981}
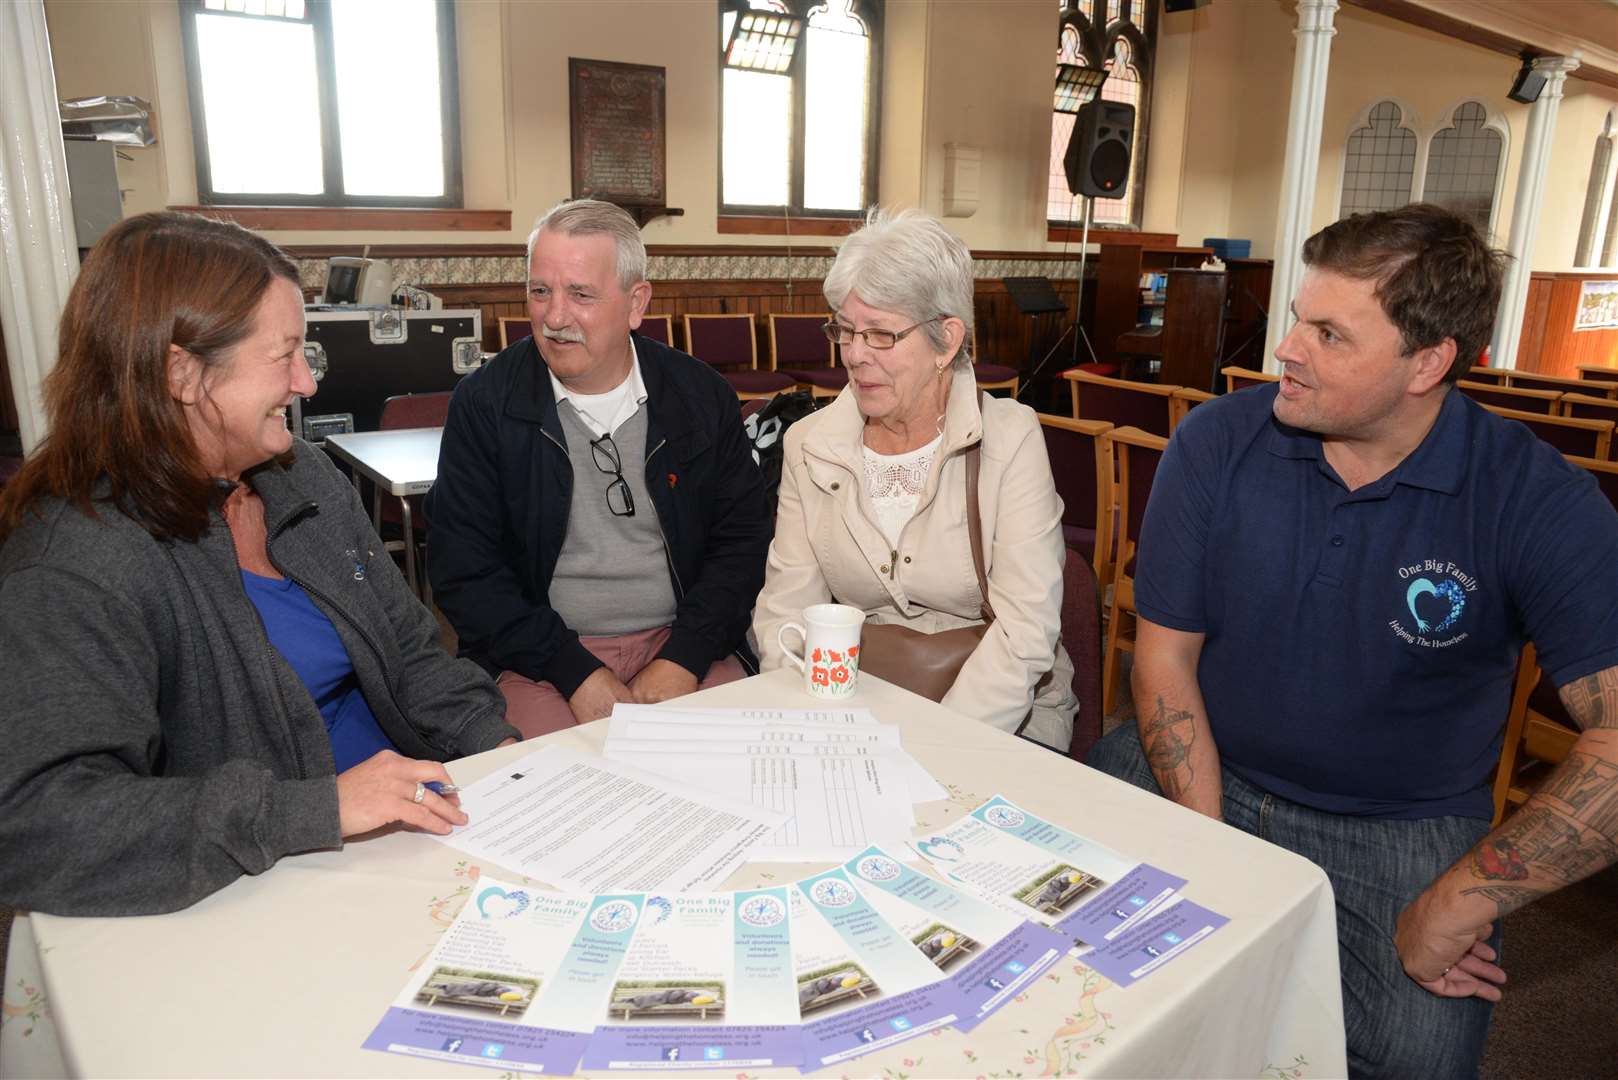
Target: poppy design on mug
{"x": 834, "y": 669}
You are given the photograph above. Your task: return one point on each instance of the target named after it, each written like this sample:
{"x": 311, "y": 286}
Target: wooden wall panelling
{"x": 1549, "y": 345}
{"x": 1535, "y": 311}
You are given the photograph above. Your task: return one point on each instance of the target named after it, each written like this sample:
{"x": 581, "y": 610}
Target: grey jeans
{"x": 1377, "y": 866}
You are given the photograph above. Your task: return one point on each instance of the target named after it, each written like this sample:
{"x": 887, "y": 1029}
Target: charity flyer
{"x": 513, "y": 955}
{"x": 1149, "y": 945}
{"x": 862, "y": 985}
{"x": 988, "y": 954}
{"x": 707, "y": 983}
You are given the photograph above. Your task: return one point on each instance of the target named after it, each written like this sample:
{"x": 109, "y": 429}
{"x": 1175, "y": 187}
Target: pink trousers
{"x": 538, "y": 708}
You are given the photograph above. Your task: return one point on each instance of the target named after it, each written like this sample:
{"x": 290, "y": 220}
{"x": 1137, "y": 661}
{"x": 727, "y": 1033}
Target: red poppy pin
{"x": 674, "y": 481}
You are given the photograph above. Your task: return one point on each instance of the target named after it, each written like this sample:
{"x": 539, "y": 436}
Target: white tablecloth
{"x": 286, "y": 973}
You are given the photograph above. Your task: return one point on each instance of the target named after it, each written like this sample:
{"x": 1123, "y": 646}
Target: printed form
{"x": 841, "y": 787}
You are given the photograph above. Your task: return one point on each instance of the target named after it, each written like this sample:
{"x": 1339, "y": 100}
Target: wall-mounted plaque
{"x": 619, "y": 132}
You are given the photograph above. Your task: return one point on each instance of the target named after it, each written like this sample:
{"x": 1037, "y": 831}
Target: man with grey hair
{"x": 598, "y": 527}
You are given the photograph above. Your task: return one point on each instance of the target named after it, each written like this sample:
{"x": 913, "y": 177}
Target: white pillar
{"x": 1536, "y": 158}
{"x": 39, "y": 254}
{"x": 1297, "y": 205}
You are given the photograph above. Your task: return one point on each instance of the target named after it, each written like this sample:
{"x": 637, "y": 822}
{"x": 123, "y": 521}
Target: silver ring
{"x": 1446, "y": 971}
{"x": 421, "y": 792}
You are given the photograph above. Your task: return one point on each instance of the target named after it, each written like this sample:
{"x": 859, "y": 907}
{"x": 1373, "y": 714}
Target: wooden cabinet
{"x": 1118, "y": 288}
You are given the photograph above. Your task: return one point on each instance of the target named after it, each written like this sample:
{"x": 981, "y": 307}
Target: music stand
{"x": 1034, "y": 297}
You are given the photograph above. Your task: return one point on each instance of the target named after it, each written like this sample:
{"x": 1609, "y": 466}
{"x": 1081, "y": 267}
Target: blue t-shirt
{"x": 308, "y": 642}
{"x": 1361, "y": 645}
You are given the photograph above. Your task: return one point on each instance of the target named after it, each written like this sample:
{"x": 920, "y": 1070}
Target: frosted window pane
{"x": 388, "y": 97}
{"x": 262, "y": 105}
{"x": 836, "y": 76}
{"x": 1463, "y": 164}
{"x": 1379, "y": 165}
{"x": 757, "y": 138}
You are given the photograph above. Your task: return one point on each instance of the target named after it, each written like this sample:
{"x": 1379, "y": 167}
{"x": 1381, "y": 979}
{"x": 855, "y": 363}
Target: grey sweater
{"x": 155, "y": 745}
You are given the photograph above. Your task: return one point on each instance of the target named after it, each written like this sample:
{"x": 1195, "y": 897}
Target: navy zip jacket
{"x": 497, "y": 515}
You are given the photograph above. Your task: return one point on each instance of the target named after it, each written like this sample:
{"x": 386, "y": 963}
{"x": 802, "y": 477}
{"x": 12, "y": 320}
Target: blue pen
{"x": 439, "y": 788}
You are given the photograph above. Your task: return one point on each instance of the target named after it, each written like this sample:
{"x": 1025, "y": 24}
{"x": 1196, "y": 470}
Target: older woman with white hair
{"x": 874, "y": 498}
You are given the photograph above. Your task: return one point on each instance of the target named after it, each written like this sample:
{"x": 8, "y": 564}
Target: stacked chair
{"x": 729, "y": 344}
{"x": 800, "y": 350}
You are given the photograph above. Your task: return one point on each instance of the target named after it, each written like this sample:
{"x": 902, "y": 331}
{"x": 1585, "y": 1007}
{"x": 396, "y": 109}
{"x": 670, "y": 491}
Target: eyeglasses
{"x": 619, "y": 500}
{"x": 839, "y": 334}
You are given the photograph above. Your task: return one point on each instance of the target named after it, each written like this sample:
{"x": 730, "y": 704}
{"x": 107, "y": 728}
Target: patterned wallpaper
{"x": 506, "y": 269}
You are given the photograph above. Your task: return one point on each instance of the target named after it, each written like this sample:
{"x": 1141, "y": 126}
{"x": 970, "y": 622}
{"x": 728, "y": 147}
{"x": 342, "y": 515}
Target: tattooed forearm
{"x": 1508, "y": 897}
{"x": 1588, "y": 787}
{"x": 1167, "y": 737}
{"x": 1592, "y": 701}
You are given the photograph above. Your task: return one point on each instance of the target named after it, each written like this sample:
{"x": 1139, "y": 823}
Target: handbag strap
{"x": 974, "y": 523}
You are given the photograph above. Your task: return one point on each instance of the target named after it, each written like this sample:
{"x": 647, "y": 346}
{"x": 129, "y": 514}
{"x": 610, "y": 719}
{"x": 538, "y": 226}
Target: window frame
{"x": 869, "y": 12}
{"x": 1493, "y": 120}
{"x": 317, "y": 13}
{"x": 1096, "y": 46}
{"x": 1409, "y": 121}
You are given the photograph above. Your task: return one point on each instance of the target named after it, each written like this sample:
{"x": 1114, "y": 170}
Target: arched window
{"x": 1116, "y": 37}
{"x": 797, "y": 107}
{"x": 1463, "y": 165}
{"x": 1379, "y": 166}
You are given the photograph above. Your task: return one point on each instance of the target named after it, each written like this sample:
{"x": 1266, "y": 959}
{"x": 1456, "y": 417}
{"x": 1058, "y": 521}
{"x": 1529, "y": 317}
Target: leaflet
{"x": 586, "y": 824}
{"x": 1147, "y": 946}
{"x": 989, "y": 955}
{"x": 707, "y": 983}
{"x": 514, "y": 957}
{"x": 1045, "y": 883}
{"x": 862, "y": 985}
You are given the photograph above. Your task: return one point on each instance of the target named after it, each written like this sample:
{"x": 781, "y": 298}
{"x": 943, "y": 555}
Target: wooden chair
{"x": 1082, "y": 466}
{"x": 1492, "y": 375}
{"x": 513, "y": 330}
{"x": 409, "y": 411}
{"x": 1185, "y": 399}
{"x": 728, "y": 343}
{"x": 658, "y": 328}
{"x": 1138, "y": 453}
{"x": 1505, "y": 397}
{"x": 1121, "y": 402}
{"x": 799, "y": 348}
{"x": 992, "y": 376}
{"x": 1238, "y": 377}
{"x": 1533, "y": 380}
{"x": 1597, "y": 373}
{"x": 1509, "y": 773}
{"x": 1081, "y": 639}
{"x": 1581, "y": 438}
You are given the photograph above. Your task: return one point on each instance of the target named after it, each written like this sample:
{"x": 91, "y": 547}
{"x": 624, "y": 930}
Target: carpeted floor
{"x": 1559, "y": 1014}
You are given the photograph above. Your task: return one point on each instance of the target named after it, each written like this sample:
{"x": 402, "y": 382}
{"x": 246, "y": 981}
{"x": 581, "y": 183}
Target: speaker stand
{"x": 1078, "y": 299}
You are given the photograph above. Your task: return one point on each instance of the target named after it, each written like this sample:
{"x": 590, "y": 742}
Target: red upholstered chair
{"x": 514, "y": 330}
{"x": 1081, "y": 638}
{"x": 800, "y": 349}
{"x": 1185, "y": 399}
{"x": 1580, "y": 438}
{"x": 1121, "y": 402}
{"x": 1506, "y": 397}
{"x": 409, "y": 411}
{"x": 1138, "y": 454}
{"x": 658, "y": 328}
{"x": 1081, "y": 464}
{"x": 991, "y": 376}
{"x": 1238, "y": 377}
{"x": 727, "y": 342}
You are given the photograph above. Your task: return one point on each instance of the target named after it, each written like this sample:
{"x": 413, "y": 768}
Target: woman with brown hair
{"x": 208, "y": 660}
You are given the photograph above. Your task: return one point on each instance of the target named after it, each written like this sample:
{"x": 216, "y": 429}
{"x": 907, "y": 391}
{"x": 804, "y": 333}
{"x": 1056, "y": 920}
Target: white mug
{"x": 830, "y": 660}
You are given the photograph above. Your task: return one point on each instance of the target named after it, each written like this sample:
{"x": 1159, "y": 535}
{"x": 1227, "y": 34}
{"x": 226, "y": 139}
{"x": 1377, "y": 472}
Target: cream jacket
{"x": 828, "y": 548}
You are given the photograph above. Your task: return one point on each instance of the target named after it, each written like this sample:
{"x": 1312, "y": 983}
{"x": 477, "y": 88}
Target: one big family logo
{"x": 1434, "y": 593}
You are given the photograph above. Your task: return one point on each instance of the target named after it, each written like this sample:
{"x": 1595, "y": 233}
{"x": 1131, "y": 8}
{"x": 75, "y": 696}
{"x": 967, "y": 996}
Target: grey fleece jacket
{"x": 153, "y": 745}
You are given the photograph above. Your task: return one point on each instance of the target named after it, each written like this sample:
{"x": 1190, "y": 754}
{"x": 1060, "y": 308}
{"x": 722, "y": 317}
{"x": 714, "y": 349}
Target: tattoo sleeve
{"x": 1167, "y": 737}
{"x": 1569, "y": 828}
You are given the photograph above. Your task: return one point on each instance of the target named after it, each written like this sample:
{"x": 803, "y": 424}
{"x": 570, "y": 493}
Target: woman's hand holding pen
{"x": 388, "y": 787}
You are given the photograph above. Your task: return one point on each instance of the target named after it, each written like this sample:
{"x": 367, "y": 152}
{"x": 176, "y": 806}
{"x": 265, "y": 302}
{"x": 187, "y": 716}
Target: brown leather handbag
{"x": 927, "y": 664}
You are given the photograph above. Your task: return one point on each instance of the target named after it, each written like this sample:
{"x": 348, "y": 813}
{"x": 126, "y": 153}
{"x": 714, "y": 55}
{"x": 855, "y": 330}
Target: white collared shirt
{"x": 605, "y": 413}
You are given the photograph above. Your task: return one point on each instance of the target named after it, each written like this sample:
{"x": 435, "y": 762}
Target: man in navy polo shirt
{"x": 1336, "y": 576}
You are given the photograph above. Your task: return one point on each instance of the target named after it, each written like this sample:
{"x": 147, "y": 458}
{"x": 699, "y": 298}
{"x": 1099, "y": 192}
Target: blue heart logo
{"x": 496, "y": 903}
{"x": 1449, "y": 590}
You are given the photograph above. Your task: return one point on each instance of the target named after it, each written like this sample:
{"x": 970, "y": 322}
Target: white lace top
{"x": 895, "y": 482}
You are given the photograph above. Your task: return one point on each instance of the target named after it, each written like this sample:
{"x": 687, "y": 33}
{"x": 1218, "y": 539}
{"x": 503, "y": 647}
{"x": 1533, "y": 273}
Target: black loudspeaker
{"x": 1528, "y": 83}
{"x": 1097, "y": 159}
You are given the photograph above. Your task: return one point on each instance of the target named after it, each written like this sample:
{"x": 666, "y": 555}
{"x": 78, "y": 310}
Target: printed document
{"x": 586, "y": 824}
